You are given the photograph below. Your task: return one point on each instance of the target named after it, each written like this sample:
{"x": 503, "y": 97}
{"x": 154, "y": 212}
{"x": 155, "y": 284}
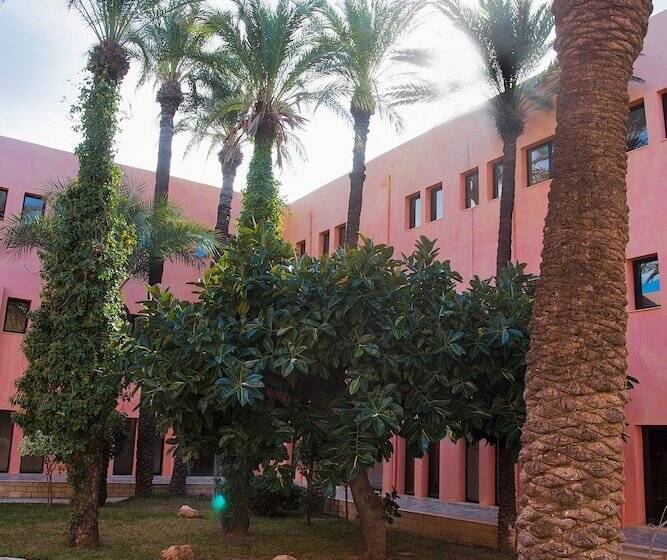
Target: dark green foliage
{"x": 390, "y": 506}
{"x": 268, "y": 501}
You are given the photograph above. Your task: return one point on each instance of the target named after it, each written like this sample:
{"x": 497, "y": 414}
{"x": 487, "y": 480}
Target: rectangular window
{"x": 664, "y": 110}
{"x": 16, "y": 315}
{"x": 437, "y": 202}
{"x": 324, "y": 242}
{"x": 340, "y": 235}
{"x": 3, "y": 202}
{"x": 5, "y": 439}
{"x": 637, "y": 130}
{"x": 646, "y": 274}
{"x": 471, "y": 187}
{"x": 301, "y": 248}
{"x": 540, "y": 163}
{"x": 202, "y": 466}
{"x": 158, "y": 451}
{"x": 123, "y": 459}
{"x": 33, "y": 207}
{"x": 497, "y": 187}
{"x": 33, "y": 464}
{"x": 414, "y": 210}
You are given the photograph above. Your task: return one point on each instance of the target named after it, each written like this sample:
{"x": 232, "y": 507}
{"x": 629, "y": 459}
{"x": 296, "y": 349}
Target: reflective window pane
{"x": 437, "y": 203}
{"x": 16, "y": 315}
{"x": 637, "y": 130}
{"x": 497, "y": 180}
{"x": 471, "y": 182}
{"x": 540, "y": 163}
{"x": 415, "y": 211}
{"x": 3, "y": 202}
{"x": 33, "y": 207}
{"x": 647, "y": 283}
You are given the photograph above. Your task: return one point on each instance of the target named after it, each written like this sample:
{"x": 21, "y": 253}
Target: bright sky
{"x": 44, "y": 49}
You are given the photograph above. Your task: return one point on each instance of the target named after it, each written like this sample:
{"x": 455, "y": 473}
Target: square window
{"x": 437, "y": 203}
{"x": 123, "y": 459}
{"x": 646, "y": 275}
{"x": 301, "y": 248}
{"x": 497, "y": 185}
{"x": 5, "y": 439}
{"x": 540, "y": 163}
{"x": 3, "y": 202}
{"x": 340, "y": 235}
{"x": 414, "y": 211}
{"x": 33, "y": 207}
{"x": 471, "y": 188}
{"x": 637, "y": 130}
{"x": 33, "y": 464}
{"x": 324, "y": 242}
{"x": 16, "y": 315}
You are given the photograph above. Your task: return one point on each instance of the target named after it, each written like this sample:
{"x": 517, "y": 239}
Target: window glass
{"x": 647, "y": 283}
{"x": 33, "y": 207}
{"x": 340, "y": 235}
{"x": 5, "y": 439}
{"x": 16, "y": 315}
{"x": 301, "y": 248}
{"x": 415, "y": 210}
{"x": 32, "y": 464}
{"x": 637, "y": 130}
{"x": 497, "y": 180}
{"x": 472, "y": 189}
{"x": 123, "y": 458}
{"x": 437, "y": 203}
{"x": 540, "y": 163}
{"x": 202, "y": 466}
{"x": 158, "y": 450}
{"x": 3, "y": 202}
{"x": 324, "y": 242}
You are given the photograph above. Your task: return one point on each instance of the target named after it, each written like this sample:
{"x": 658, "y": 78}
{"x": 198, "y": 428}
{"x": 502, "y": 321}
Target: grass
{"x": 139, "y": 529}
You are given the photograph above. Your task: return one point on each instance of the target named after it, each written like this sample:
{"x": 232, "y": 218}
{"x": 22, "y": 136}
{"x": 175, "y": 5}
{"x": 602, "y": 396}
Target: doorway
{"x": 655, "y": 472}
{"x": 434, "y": 470}
{"x": 409, "y": 474}
{"x": 472, "y": 472}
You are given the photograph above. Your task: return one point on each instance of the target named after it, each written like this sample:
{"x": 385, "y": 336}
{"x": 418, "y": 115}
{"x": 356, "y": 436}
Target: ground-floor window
{"x": 434, "y": 470}
{"x": 472, "y": 472}
{"x": 123, "y": 459}
{"x": 655, "y": 472}
{"x": 5, "y": 439}
{"x": 409, "y": 474}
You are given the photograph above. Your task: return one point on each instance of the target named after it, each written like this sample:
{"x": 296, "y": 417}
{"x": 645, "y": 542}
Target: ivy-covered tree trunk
{"x": 362, "y": 121}
{"x": 105, "y": 458}
{"x": 237, "y": 478}
{"x": 370, "y": 512}
{"x": 170, "y": 98}
{"x": 261, "y": 202}
{"x": 178, "y": 482}
{"x": 229, "y": 159}
{"x": 83, "y": 474}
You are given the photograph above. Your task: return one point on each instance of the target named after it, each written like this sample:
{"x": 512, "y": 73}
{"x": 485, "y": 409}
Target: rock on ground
{"x": 188, "y": 512}
{"x": 284, "y": 557}
{"x": 179, "y": 552}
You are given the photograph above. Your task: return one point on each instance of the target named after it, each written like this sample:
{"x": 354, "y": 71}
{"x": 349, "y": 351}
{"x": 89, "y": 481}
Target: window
{"x": 33, "y": 464}
{"x": 497, "y": 186}
{"x": 540, "y": 163}
{"x": 3, "y": 202}
{"x": 414, "y": 210}
{"x": 203, "y": 465}
{"x": 340, "y": 235}
{"x": 324, "y": 242}
{"x": 646, "y": 274}
{"x": 301, "y": 248}
{"x": 123, "y": 458}
{"x": 637, "y": 130}
{"x": 5, "y": 439}
{"x": 437, "y": 203}
{"x": 33, "y": 207}
{"x": 664, "y": 110}
{"x": 471, "y": 188}
{"x": 158, "y": 451}
{"x": 16, "y": 315}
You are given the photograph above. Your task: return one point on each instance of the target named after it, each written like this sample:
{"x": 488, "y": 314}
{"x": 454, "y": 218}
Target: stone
{"x": 179, "y": 552}
{"x": 188, "y": 513}
{"x": 284, "y": 557}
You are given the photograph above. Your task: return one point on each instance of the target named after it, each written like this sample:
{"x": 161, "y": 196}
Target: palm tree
{"x": 513, "y": 40}
{"x": 371, "y": 73}
{"x": 167, "y": 45}
{"x": 572, "y": 457}
{"x": 269, "y": 54}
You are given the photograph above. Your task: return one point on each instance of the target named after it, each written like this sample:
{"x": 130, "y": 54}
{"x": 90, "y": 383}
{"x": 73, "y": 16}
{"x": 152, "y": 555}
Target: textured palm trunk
{"x": 178, "y": 482}
{"x": 370, "y": 512}
{"x": 230, "y": 159}
{"x": 572, "y": 457}
{"x": 170, "y": 98}
{"x": 362, "y": 121}
{"x": 84, "y": 478}
{"x": 504, "y": 254}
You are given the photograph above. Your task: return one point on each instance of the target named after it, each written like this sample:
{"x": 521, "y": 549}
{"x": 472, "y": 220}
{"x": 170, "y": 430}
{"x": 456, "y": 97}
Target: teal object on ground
{"x": 219, "y": 503}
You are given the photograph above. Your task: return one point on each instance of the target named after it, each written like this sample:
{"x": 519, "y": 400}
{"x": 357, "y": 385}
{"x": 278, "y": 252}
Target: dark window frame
{"x": 495, "y": 192}
{"x": 663, "y": 95}
{"x": 341, "y": 231}
{"x": 3, "y": 205}
{"x": 638, "y": 105}
{"x": 5, "y": 468}
{"x": 25, "y": 322}
{"x": 414, "y": 216}
{"x": 467, "y": 200}
{"x": 301, "y": 248}
{"x": 433, "y": 202}
{"x": 529, "y": 168}
{"x": 325, "y": 242}
{"x": 32, "y": 195}
{"x": 637, "y": 282}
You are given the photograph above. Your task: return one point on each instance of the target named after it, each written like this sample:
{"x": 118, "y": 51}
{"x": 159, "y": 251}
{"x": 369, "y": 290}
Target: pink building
{"x": 443, "y": 184}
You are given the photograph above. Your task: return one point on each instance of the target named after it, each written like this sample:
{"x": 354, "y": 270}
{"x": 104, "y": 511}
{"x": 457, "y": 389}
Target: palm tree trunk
{"x": 178, "y": 482}
{"x": 261, "y": 204}
{"x": 362, "y": 121}
{"x": 230, "y": 159}
{"x": 170, "y": 98}
{"x": 504, "y": 254}
{"x": 370, "y": 511}
{"x": 572, "y": 457}
{"x": 83, "y": 475}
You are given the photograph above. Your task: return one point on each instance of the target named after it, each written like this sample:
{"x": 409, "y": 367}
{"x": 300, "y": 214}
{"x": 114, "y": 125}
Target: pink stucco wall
{"x": 465, "y": 236}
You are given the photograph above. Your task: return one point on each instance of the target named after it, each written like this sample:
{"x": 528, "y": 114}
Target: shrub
{"x": 266, "y": 501}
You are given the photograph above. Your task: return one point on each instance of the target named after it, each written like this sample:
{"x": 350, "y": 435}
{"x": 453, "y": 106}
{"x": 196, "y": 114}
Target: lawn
{"x": 139, "y": 528}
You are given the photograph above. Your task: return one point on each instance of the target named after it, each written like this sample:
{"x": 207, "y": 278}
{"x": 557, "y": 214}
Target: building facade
{"x": 443, "y": 184}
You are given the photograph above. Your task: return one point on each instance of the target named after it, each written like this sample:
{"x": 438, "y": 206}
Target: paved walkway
{"x": 489, "y": 514}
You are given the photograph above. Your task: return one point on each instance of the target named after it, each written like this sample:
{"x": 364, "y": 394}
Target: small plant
{"x": 390, "y": 509}
{"x": 267, "y": 501}
{"x": 43, "y": 445}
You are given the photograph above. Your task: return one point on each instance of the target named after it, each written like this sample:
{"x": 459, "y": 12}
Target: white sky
{"x": 43, "y": 50}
